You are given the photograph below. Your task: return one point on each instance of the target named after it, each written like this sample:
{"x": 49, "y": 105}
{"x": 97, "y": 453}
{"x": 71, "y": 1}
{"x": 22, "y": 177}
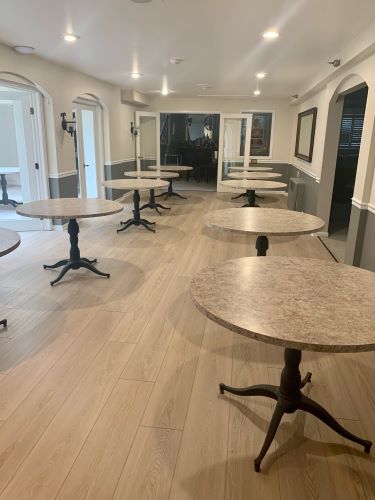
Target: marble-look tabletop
{"x": 9, "y": 241}
{"x": 268, "y": 221}
{"x": 292, "y": 302}
{"x": 253, "y": 184}
{"x": 146, "y": 174}
{"x": 253, "y": 175}
{"x": 136, "y": 184}
{"x": 252, "y": 169}
{"x": 69, "y": 208}
{"x": 171, "y": 168}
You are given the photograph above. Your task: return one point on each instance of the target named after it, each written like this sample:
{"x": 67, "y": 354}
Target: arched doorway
{"x": 23, "y": 158}
{"x": 89, "y": 145}
{"x": 341, "y": 152}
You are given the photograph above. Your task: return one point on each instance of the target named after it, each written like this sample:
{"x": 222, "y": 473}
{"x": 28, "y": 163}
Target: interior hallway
{"x": 109, "y": 388}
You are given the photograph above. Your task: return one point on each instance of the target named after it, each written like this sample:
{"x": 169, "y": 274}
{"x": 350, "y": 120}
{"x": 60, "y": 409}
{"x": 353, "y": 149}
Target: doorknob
{"x": 86, "y": 165}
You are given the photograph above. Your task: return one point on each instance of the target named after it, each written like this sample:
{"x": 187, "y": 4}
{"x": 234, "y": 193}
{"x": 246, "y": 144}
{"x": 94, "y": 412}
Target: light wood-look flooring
{"x": 109, "y": 388}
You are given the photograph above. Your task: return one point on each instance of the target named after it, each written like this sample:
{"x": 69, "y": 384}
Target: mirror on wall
{"x": 305, "y": 134}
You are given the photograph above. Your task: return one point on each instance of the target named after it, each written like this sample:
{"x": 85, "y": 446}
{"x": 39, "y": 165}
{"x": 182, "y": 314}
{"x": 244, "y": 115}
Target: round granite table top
{"x": 291, "y": 302}
{"x": 146, "y": 174}
{"x": 268, "y": 221}
{"x": 9, "y": 241}
{"x": 253, "y": 175}
{"x": 171, "y": 168}
{"x": 253, "y": 184}
{"x": 252, "y": 169}
{"x": 136, "y": 184}
{"x": 69, "y": 208}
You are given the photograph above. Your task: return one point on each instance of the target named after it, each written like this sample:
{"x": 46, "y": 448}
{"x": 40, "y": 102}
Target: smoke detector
{"x": 204, "y": 86}
{"x": 24, "y": 49}
{"x": 175, "y": 60}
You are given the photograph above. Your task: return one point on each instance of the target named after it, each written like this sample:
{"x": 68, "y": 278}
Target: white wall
{"x": 63, "y": 85}
{"x": 283, "y": 114}
{"x": 8, "y": 140}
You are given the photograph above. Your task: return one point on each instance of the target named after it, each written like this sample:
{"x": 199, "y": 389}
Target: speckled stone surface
{"x": 69, "y": 208}
{"x": 171, "y": 168}
{"x": 253, "y": 184}
{"x": 268, "y": 221}
{"x": 253, "y": 175}
{"x": 136, "y": 184}
{"x": 9, "y": 241}
{"x": 252, "y": 169}
{"x": 298, "y": 303}
{"x": 147, "y": 174}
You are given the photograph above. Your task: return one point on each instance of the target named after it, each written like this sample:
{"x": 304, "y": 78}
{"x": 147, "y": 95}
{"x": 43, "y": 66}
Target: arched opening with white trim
{"x": 91, "y": 143}
{"x": 342, "y": 149}
{"x": 25, "y": 112}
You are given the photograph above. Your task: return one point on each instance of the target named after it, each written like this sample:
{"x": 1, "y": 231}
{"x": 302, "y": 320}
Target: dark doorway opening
{"x": 346, "y": 169}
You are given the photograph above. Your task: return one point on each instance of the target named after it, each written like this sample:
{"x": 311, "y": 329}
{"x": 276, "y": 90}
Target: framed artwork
{"x": 305, "y": 134}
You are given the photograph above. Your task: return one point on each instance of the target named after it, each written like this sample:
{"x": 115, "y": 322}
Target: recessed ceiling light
{"x": 261, "y": 75}
{"x": 257, "y": 92}
{"x": 270, "y": 35}
{"x": 70, "y": 37}
{"x": 136, "y": 75}
{"x": 24, "y": 49}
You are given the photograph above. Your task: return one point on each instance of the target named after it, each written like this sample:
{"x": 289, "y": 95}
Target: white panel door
{"x": 234, "y": 144}
{"x": 147, "y": 139}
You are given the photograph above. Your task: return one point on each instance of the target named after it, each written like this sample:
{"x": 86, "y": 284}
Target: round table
{"x": 136, "y": 185}
{"x": 250, "y": 185}
{"x": 171, "y": 168}
{"x": 145, "y": 174}
{"x": 72, "y": 209}
{"x": 298, "y": 304}
{"x": 264, "y": 223}
{"x": 245, "y": 174}
{"x": 9, "y": 241}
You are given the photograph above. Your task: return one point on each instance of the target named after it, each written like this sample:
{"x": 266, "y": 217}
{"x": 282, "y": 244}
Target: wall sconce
{"x": 68, "y": 126}
{"x": 133, "y": 129}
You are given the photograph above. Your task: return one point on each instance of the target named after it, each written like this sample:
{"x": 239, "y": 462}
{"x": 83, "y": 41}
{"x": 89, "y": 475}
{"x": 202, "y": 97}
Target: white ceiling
{"x": 219, "y": 40}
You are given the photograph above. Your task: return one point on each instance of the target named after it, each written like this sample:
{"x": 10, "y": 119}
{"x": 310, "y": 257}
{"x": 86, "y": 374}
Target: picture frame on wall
{"x": 306, "y": 134}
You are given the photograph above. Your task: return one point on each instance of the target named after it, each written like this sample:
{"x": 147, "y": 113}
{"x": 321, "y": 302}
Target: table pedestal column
{"x": 262, "y": 246}
{"x": 250, "y": 193}
{"x": 136, "y": 219}
{"x": 5, "y": 200}
{"x": 75, "y": 261}
{"x": 290, "y": 399}
{"x": 170, "y": 192}
{"x": 152, "y": 203}
{"x": 4, "y": 323}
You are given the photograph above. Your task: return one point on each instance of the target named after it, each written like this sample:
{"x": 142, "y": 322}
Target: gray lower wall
{"x": 63, "y": 187}
{"x": 310, "y": 196}
{"x": 112, "y": 172}
{"x": 364, "y": 239}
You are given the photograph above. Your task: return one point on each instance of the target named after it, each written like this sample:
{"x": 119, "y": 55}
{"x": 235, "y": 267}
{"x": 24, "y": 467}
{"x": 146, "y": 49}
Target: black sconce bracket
{"x": 68, "y": 126}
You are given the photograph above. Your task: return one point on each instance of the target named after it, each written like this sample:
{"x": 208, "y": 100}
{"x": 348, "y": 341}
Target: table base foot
{"x": 137, "y": 222}
{"x": 4, "y": 323}
{"x": 14, "y": 203}
{"x": 169, "y": 194}
{"x": 250, "y": 206}
{"x": 154, "y": 206}
{"x": 242, "y": 195}
{"x": 290, "y": 399}
{"x": 74, "y": 264}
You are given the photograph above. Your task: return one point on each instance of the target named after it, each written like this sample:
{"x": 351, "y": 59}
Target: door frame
{"x": 39, "y": 145}
{"x": 89, "y": 104}
{"x": 246, "y": 158}
{"x": 138, "y": 116}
